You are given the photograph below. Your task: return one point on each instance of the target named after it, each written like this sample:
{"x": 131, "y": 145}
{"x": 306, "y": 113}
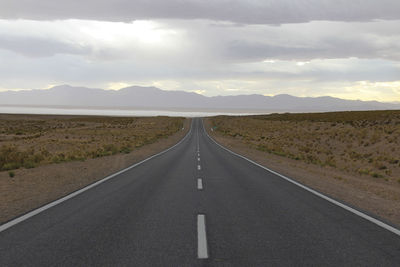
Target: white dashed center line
{"x": 200, "y": 184}
{"x": 202, "y": 251}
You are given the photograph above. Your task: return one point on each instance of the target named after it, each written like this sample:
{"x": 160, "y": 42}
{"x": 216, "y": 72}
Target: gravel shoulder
{"x": 32, "y": 188}
{"x": 373, "y": 196}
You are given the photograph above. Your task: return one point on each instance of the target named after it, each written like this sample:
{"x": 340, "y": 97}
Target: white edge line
{"x": 34, "y": 212}
{"x": 202, "y": 251}
{"x": 354, "y": 211}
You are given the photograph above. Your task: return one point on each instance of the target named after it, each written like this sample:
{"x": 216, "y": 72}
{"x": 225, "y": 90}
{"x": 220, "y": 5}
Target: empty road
{"x": 197, "y": 205}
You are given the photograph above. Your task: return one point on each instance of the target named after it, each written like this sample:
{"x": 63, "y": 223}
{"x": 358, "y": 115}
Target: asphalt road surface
{"x": 197, "y": 205}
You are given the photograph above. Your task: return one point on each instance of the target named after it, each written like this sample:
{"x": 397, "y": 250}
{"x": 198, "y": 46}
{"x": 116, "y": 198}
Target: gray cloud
{"x": 300, "y": 42}
{"x": 40, "y": 47}
{"x": 331, "y": 48}
{"x": 240, "y": 11}
{"x": 74, "y": 69}
{"x": 206, "y": 42}
{"x": 218, "y": 47}
{"x": 258, "y": 51}
{"x": 197, "y": 51}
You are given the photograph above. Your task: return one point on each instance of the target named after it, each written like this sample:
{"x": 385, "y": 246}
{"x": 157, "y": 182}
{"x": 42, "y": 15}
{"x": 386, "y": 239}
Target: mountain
{"x": 151, "y": 97}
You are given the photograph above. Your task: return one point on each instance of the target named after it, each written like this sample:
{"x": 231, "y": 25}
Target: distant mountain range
{"x": 137, "y": 97}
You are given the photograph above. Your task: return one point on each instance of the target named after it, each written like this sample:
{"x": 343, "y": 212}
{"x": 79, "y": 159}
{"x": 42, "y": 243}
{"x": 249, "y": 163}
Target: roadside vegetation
{"x": 362, "y": 143}
{"x": 30, "y": 141}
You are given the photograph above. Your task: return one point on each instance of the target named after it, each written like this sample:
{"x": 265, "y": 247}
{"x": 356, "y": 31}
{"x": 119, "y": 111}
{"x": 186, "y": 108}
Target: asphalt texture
{"x": 148, "y": 216}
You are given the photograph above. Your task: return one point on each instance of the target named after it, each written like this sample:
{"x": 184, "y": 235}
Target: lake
{"x": 114, "y": 112}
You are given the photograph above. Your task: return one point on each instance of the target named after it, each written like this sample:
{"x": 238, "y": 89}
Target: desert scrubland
{"x": 44, "y": 157}
{"x": 30, "y": 141}
{"x": 353, "y": 156}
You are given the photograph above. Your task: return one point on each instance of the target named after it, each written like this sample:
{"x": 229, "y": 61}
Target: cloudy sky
{"x": 341, "y": 48}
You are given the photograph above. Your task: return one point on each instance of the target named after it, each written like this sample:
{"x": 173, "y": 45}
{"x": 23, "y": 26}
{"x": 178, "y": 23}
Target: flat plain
{"x": 29, "y": 141}
{"x": 44, "y": 157}
{"x": 353, "y": 156}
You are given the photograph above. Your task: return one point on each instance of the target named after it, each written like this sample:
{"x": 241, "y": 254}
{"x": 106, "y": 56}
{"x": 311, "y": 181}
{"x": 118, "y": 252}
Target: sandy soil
{"x": 32, "y": 188}
{"x": 374, "y": 196}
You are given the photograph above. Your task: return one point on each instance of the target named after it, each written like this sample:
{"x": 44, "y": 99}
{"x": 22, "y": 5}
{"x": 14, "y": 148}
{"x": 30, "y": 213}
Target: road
{"x": 197, "y": 205}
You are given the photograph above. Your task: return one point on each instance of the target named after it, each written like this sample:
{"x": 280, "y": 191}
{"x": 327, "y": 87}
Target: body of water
{"x": 112, "y": 112}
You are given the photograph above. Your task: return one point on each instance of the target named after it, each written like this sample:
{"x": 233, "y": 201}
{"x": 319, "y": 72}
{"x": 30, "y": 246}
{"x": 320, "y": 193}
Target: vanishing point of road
{"x": 197, "y": 204}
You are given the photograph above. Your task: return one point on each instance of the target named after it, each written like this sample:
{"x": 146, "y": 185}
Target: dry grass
{"x": 365, "y": 144}
{"x": 30, "y": 141}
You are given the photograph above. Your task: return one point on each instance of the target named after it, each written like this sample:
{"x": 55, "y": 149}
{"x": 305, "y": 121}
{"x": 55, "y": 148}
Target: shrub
{"x": 376, "y": 175}
{"x": 11, "y": 166}
{"x": 11, "y": 174}
{"x": 363, "y": 171}
{"x": 60, "y": 157}
{"x": 330, "y": 162}
{"x": 125, "y": 150}
{"x": 29, "y": 164}
{"x": 10, "y": 157}
{"x": 110, "y": 149}
{"x": 382, "y": 167}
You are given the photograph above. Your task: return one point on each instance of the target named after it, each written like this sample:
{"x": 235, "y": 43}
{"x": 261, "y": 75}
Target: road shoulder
{"x": 32, "y": 188}
{"x": 373, "y": 197}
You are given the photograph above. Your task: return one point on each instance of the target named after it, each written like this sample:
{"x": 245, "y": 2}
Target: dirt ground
{"x": 32, "y": 188}
{"x": 29, "y": 141}
{"x": 374, "y": 196}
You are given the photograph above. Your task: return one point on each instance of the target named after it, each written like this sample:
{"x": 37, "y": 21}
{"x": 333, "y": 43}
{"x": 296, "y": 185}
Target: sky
{"x": 340, "y": 48}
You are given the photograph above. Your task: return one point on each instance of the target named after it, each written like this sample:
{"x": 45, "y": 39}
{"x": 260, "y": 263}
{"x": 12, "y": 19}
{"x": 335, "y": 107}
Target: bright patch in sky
{"x": 302, "y": 63}
{"x": 145, "y": 32}
{"x": 380, "y": 91}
